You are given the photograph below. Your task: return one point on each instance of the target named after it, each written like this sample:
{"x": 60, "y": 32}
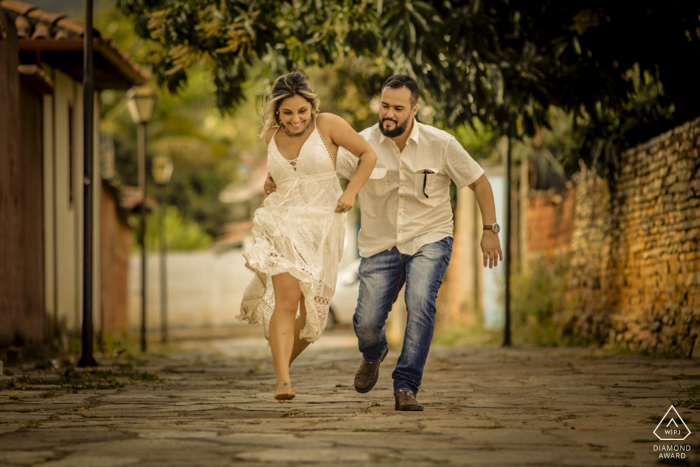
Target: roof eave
{"x": 128, "y": 70}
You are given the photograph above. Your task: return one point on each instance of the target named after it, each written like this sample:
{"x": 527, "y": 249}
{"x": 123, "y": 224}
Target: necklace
{"x": 293, "y": 135}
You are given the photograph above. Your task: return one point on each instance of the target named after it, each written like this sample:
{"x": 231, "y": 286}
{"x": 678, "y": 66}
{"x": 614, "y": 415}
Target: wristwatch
{"x": 495, "y": 228}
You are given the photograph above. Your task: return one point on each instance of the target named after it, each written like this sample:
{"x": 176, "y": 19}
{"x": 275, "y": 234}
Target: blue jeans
{"x": 381, "y": 279}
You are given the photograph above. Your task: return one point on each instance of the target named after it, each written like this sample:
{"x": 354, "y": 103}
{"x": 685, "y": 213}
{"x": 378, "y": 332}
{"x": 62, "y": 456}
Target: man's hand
{"x": 491, "y": 248}
{"x": 270, "y": 185}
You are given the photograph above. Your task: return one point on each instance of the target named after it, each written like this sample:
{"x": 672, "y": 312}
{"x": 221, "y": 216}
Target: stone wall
{"x": 635, "y": 270}
{"x": 550, "y": 221}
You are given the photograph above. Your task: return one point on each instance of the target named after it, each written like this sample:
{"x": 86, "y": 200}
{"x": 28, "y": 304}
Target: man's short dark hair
{"x": 403, "y": 81}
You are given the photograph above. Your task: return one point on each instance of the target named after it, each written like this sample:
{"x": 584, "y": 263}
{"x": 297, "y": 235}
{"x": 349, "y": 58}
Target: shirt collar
{"x": 414, "y": 133}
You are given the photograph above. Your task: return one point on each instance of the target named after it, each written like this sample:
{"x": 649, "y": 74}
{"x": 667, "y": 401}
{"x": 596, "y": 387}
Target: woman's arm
{"x": 342, "y": 134}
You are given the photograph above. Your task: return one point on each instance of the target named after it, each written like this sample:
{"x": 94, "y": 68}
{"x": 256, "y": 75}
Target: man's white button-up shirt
{"x": 406, "y": 201}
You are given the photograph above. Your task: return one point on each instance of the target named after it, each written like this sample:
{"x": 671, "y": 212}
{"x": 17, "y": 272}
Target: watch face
{"x": 496, "y": 228}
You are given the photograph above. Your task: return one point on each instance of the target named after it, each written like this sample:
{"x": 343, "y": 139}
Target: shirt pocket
{"x": 427, "y": 182}
{"x": 378, "y": 183}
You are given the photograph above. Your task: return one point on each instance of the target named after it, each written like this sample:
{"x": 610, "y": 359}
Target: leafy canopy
{"x": 620, "y": 68}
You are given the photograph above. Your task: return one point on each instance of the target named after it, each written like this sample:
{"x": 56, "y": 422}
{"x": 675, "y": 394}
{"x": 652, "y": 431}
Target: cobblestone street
{"x": 210, "y": 403}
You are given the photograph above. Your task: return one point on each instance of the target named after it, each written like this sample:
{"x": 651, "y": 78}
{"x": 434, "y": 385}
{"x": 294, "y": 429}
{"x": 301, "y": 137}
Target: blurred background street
{"x": 131, "y": 169}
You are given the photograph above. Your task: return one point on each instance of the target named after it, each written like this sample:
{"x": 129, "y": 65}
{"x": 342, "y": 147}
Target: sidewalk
{"x": 211, "y": 404}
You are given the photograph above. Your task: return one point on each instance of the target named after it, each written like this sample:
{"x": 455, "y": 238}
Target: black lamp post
{"x": 507, "y": 237}
{"x": 141, "y": 101}
{"x": 162, "y": 170}
{"x": 87, "y": 358}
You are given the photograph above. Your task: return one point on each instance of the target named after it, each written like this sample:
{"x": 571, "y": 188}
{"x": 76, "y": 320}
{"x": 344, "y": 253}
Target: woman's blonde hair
{"x": 289, "y": 85}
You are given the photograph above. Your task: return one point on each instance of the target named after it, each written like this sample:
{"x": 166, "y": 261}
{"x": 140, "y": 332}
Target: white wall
{"x": 68, "y": 257}
{"x": 63, "y": 219}
{"x": 204, "y": 289}
{"x": 49, "y": 175}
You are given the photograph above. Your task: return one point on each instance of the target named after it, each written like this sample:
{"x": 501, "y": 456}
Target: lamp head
{"x": 162, "y": 169}
{"x": 141, "y": 101}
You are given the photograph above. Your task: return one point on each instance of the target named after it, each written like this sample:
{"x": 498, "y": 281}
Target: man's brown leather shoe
{"x": 406, "y": 402}
{"x": 368, "y": 374}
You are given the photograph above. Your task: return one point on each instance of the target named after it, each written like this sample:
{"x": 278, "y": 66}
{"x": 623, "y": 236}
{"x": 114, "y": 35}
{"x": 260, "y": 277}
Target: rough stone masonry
{"x": 635, "y": 271}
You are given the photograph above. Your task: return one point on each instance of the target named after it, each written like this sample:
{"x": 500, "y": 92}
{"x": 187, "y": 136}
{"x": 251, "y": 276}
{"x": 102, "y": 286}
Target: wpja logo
{"x": 672, "y": 428}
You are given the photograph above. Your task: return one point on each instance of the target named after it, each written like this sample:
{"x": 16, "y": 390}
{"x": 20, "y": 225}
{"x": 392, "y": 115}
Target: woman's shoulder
{"x": 323, "y": 120}
{"x": 328, "y": 121}
{"x": 269, "y": 134}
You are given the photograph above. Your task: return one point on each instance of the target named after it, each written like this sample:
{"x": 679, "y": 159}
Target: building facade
{"x": 41, "y": 172}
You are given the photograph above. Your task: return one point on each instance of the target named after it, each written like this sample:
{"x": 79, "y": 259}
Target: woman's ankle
{"x": 283, "y": 387}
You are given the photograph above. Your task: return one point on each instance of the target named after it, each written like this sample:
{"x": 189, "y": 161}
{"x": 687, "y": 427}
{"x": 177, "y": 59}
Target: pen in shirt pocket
{"x": 425, "y": 180}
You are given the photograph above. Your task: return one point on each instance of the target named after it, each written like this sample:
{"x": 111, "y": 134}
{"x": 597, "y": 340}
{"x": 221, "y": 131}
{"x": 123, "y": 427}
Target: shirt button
{"x": 399, "y": 231}
{"x": 400, "y": 168}
{"x": 402, "y": 184}
{"x": 401, "y": 196}
{"x": 400, "y": 214}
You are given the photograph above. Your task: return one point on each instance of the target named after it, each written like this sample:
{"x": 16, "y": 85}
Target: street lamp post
{"x": 141, "y": 101}
{"x": 87, "y": 358}
{"x": 507, "y": 237}
{"x": 162, "y": 169}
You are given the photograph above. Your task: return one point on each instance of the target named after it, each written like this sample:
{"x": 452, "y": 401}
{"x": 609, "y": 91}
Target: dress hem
{"x": 251, "y": 311}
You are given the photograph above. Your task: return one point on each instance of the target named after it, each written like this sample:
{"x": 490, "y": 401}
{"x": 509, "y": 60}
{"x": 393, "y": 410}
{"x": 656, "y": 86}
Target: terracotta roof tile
{"x": 24, "y": 27}
{"x": 40, "y": 31}
{"x": 52, "y": 24}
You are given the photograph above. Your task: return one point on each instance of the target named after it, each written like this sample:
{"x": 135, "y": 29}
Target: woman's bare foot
{"x": 283, "y": 392}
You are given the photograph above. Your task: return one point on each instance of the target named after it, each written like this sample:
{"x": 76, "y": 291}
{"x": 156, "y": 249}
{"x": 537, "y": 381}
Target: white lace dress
{"x": 297, "y": 231}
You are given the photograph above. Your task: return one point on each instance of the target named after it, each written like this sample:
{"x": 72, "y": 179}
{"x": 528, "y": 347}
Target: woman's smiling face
{"x": 295, "y": 113}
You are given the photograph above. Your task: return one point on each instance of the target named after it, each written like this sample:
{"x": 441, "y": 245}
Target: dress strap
{"x": 325, "y": 144}
{"x": 273, "y": 135}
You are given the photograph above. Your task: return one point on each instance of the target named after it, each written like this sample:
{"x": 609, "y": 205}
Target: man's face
{"x": 395, "y": 111}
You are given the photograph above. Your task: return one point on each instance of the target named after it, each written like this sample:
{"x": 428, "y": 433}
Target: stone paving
{"x": 210, "y": 403}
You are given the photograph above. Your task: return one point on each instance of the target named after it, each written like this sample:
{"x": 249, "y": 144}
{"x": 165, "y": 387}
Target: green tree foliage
{"x": 619, "y": 68}
{"x": 188, "y": 129}
{"x": 541, "y": 303}
{"x": 232, "y": 35}
{"x": 479, "y": 139}
{"x": 340, "y": 95}
{"x": 180, "y": 233}
{"x": 209, "y": 150}
{"x": 205, "y": 146}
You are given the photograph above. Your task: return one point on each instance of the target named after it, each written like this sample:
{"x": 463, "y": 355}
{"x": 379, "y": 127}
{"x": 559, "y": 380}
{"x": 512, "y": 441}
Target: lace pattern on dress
{"x": 297, "y": 232}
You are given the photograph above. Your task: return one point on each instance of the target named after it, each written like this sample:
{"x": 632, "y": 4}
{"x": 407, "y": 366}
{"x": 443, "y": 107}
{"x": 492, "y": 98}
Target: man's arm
{"x": 490, "y": 243}
{"x": 464, "y": 171}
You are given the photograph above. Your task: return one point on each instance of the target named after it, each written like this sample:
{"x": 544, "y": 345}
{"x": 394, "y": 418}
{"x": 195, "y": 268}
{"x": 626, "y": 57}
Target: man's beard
{"x": 398, "y": 131}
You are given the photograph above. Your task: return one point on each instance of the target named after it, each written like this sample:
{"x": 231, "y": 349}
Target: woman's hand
{"x": 345, "y": 202}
